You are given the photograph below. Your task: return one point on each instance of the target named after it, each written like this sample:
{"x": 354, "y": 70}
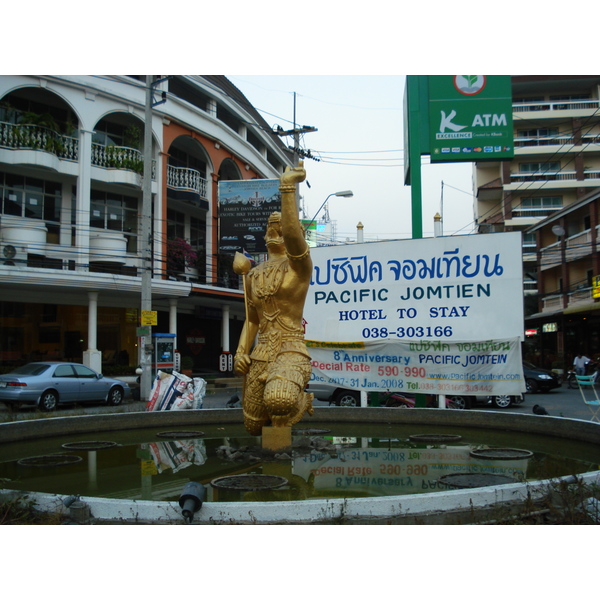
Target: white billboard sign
{"x": 439, "y": 316}
{"x": 441, "y": 368}
{"x": 449, "y": 289}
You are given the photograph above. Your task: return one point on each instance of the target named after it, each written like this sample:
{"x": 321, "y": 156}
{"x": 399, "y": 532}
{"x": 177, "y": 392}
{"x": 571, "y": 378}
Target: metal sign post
{"x": 453, "y": 118}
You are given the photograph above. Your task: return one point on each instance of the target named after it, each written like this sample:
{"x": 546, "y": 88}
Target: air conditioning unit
{"x": 12, "y": 254}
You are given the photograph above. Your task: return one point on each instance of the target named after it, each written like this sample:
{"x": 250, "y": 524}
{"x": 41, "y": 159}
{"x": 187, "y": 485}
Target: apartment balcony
{"x": 550, "y": 256}
{"x": 580, "y": 296}
{"x": 551, "y": 109}
{"x": 187, "y": 180}
{"x": 544, "y": 176}
{"x": 548, "y": 180}
{"x": 590, "y": 139}
{"x": 119, "y": 164}
{"x": 117, "y": 157}
{"x": 576, "y": 246}
{"x": 552, "y": 303}
{"x": 525, "y": 146}
{"x": 540, "y": 141}
{"x": 33, "y": 144}
{"x": 579, "y": 245}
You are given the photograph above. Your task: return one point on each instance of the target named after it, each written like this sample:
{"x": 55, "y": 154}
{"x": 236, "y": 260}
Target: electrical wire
{"x": 332, "y": 159}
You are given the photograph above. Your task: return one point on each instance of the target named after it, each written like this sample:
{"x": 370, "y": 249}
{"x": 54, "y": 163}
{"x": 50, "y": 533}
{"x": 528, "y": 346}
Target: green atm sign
{"x": 470, "y": 118}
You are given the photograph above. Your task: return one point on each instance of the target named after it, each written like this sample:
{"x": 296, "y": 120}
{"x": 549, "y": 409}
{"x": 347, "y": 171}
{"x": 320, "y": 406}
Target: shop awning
{"x": 543, "y": 315}
{"x": 582, "y": 308}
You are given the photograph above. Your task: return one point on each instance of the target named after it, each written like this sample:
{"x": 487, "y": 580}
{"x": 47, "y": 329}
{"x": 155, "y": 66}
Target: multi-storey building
{"x": 71, "y": 198}
{"x": 568, "y": 319}
{"x": 556, "y": 122}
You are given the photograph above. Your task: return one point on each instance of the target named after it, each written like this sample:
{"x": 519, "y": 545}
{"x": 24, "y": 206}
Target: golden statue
{"x": 278, "y": 368}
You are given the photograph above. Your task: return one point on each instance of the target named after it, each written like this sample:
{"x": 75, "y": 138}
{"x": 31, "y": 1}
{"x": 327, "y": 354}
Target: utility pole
{"x": 296, "y": 131}
{"x": 442, "y": 211}
{"x": 145, "y": 352}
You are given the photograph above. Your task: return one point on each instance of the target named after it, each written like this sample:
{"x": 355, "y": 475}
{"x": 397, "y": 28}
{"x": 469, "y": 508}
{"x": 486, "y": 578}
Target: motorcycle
{"x": 398, "y": 400}
{"x": 590, "y": 369}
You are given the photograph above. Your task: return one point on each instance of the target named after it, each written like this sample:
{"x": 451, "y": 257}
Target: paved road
{"x": 562, "y": 402}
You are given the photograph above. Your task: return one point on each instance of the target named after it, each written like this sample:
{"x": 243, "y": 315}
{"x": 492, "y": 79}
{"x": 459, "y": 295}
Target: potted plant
{"x": 180, "y": 255}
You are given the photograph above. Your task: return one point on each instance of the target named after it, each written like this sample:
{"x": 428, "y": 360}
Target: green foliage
{"x": 180, "y": 254}
{"x": 132, "y": 137}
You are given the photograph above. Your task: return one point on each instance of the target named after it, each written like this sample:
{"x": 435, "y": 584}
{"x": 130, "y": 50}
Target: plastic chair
{"x": 588, "y": 381}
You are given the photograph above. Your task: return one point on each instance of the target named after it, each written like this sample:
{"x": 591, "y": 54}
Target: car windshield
{"x": 528, "y": 365}
{"x": 30, "y": 369}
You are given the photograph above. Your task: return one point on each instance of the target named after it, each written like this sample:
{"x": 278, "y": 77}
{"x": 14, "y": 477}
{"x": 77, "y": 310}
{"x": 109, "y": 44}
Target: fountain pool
{"x": 353, "y": 465}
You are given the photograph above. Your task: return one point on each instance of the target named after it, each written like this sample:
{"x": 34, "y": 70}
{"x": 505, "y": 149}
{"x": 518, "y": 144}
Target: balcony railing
{"x": 117, "y": 157}
{"x": 557, "y": 105}
{"x": 35, "y": 137}
{"x": 553, "y": 140}
{"x": 551, "y": 303}
{"x": 583, "y": 295}
{"x": 181, "y": 178}
{"x": 550, "y": 256}
{"x": 579, "y": 245}
{"x": 544, "y": 176}
{"x": 580, "y": 294}
{"x": 591, "y": 138}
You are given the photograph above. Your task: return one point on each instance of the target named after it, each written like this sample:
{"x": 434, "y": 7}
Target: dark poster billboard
{"x": 244, "y": 208}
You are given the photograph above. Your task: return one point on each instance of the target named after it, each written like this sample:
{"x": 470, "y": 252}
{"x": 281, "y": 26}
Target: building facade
{"x": 71, "y": 191}
{"x": 550, "y": 186}
{"x": 568, "y": 318}
{"x": 556, "y": 121}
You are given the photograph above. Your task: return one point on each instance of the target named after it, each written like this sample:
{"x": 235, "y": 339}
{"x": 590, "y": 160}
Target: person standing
{"x": 579, "y": 364}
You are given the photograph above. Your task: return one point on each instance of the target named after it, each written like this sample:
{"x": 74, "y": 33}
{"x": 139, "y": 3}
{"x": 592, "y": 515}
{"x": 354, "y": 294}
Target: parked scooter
{"x": 398, "y": 400}
{"x": 591, "y": 368}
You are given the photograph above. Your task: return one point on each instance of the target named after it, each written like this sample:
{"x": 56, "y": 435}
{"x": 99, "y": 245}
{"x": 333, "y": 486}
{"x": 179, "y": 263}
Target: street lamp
{"x": 344, "y": 194}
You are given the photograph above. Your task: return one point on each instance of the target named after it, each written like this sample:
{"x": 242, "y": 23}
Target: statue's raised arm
{"x": 291, "y": 229}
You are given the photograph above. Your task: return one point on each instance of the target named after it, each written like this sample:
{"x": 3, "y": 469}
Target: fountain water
{"x": 364, "y": 465}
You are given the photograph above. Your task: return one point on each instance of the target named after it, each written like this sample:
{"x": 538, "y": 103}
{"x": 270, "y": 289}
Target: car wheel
{"x": 460, "y": 402}
{"x": 115, "y": 396}
{"x": 48, "y": 401}
{"x": 347, "y": 398}
{"x": 532, "y": 386}
{"x": 503, "y": 401}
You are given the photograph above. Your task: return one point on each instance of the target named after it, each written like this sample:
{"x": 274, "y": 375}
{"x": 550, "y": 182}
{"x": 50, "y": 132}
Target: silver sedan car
{"x": 46, "y": 384}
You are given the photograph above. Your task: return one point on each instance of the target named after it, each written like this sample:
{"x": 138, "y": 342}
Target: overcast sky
{"x": 359, "y": 147}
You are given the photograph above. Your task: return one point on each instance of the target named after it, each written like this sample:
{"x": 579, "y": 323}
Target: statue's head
{"x": 273, "y": 235}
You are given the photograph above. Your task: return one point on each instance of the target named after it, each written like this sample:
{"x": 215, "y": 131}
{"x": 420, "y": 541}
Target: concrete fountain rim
{"x": 387, "y": 509}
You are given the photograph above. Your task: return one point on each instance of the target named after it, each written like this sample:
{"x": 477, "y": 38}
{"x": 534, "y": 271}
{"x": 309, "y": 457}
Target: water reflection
{"x": 316, "y": 467}
{"x": 176, "y": 455}
{"x": 378, "y": 472}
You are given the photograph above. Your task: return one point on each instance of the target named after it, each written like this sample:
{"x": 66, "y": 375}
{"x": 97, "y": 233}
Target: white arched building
{"x": 71, "y": 250}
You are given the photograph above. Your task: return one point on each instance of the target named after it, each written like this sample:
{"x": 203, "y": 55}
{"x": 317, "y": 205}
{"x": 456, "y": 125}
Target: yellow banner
{"x": 149, "y": 317}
